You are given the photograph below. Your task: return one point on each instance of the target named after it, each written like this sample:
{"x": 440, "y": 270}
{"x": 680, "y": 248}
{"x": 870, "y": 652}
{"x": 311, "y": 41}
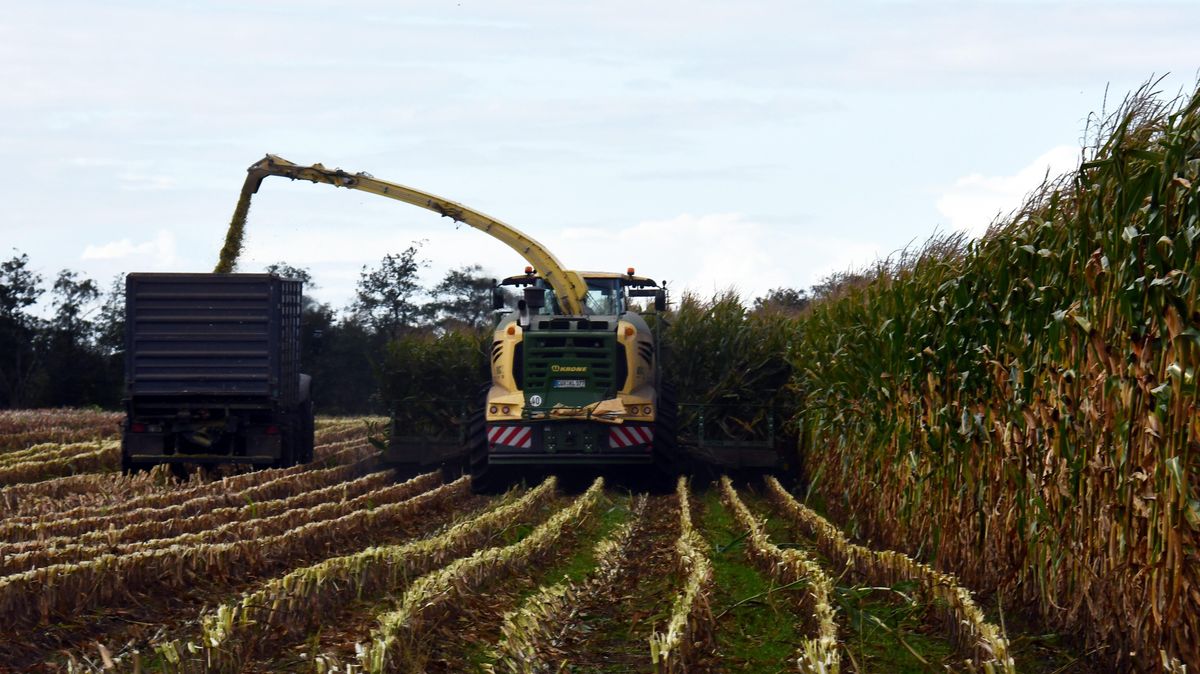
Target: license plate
{"x": 570, "y": 383}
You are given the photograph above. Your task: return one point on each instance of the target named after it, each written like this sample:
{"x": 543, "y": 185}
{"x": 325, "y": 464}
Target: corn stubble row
{"x": 105, "y": 493}
{"x": 56, "y": 495}
{"x": 106, "y": 457}
{"x": 187, "y": 501}
{"x": 294, "y": 604}
{"x": 21, "y": 428}
{"x": 788, "y": 566}
{"x": 689, "y": 631}
{"x": 532, "y": 634}
{"x": 149, "y": 523}
{"x": 400, "y": 641}
{"x": 48, "y": 451}
{"x": 45, "y": 455}
{"x": 969, "y": 628}
{"x": 226, "y": 524}
{"x": 63, "y": 590}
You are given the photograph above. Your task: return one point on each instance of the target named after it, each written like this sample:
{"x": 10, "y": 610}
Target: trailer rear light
{"x": 272, "y": 430}
{"x": 505, "y": 409}
{"x": 646, "y": 410}
{"x": 137, "y": 428}
{"x": 492, "y": 409}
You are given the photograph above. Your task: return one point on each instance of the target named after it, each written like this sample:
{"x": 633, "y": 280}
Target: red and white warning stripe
{"x": 628, "y": 436}
{"x": 511, "y": 436}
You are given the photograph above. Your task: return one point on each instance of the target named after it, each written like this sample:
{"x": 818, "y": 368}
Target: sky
{"x": 713, "y": 145}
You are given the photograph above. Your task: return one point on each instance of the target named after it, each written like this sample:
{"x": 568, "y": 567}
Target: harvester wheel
{"x": 667, "y": 456}
{"x": 477, "y": 449}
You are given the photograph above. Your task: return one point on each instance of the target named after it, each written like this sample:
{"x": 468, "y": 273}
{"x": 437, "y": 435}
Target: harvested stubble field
{"x": 340, "y": 566}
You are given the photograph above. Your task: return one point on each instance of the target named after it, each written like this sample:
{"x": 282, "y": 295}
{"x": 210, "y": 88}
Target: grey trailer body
{"x": 212, "y": 371}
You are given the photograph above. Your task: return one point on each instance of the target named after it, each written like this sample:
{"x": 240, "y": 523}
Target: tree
{"x": 835, "y": 284}
{"x": 386, "y": 294}
{"x": 72, "y": 295}
{"x": 110, "y": 323}
{"x": 783, "y": 300}
{"x": 286, "y": 270}
{"x": 343, "y": 368}
{"x": 19, "y": 289}
{"x": 76, "y": 373}
{"x": 462, "y": 299}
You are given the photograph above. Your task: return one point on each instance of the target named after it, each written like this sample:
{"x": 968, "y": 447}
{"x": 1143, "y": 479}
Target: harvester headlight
{"x": 492, "y": 409}
{"x": 646, "y": 410}
{"x": 504, "y": 409}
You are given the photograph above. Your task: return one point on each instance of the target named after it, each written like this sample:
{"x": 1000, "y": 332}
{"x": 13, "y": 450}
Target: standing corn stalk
{"x": 1022, "y": 408}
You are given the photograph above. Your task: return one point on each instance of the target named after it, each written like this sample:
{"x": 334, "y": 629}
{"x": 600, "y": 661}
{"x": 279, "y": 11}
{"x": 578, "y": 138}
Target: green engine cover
{"x": 570, "y": 367}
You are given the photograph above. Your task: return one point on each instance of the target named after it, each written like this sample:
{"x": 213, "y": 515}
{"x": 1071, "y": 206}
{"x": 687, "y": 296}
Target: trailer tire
{"x": 179, "y": 471}
{"x": 307, "y": 432}
{"x": 289, "y": 440}
{"x": 131, "y": 467}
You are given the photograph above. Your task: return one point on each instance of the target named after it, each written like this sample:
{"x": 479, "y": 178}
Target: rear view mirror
{"x": 660, "y": 300}
{"x": 498, "y": 302}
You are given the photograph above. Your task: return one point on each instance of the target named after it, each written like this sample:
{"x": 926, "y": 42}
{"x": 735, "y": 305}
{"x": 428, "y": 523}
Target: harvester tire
{"x": 482, "y": 478}
{"x": 668, "y": 458}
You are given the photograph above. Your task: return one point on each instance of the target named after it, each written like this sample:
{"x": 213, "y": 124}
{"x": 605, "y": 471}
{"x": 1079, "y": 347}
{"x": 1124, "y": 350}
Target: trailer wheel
{"x": 289, "y": 441}
{"x": 307, "y": 430}
{"x": 131, "y": 467}
{"x": 179, "y": 471}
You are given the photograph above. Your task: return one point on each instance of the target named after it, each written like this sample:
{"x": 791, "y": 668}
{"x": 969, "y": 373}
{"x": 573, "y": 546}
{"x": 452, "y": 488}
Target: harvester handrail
{"x": 569, "y": 287}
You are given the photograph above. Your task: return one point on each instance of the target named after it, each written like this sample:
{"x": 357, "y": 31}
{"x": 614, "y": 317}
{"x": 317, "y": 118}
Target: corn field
{"x": 1020, "y": 410}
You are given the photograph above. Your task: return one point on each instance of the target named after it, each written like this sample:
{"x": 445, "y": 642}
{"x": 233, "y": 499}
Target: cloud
{"x": 976, "y": 200}
{"x": 159, "y": 251}
{"x": 707, "y": 253}
{"x": 704, "y": 253}
{"x": 141, "y": 182}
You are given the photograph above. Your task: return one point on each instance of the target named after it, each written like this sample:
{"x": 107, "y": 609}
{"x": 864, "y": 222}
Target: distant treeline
{"x": 396, "y": 343}
{"x": 75, "y": 356}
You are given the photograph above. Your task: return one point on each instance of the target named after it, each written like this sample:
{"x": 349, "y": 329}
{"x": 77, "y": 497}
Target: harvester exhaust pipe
{"x": 535, "y": 298}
